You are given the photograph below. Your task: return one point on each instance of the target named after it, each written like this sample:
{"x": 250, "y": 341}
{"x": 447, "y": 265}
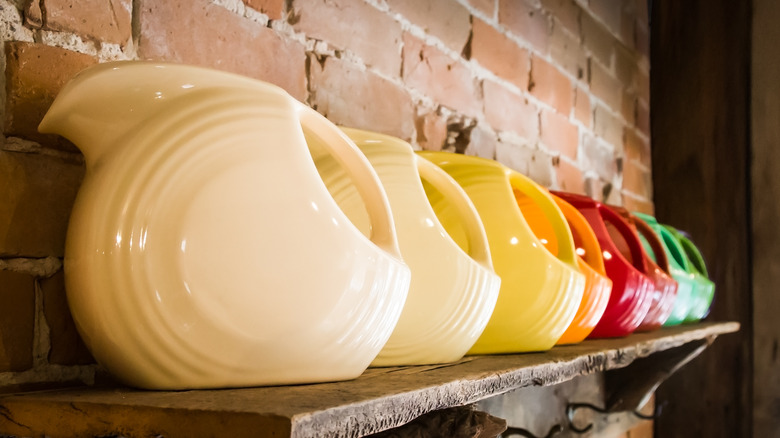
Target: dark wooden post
{"x": 700, "y": 100}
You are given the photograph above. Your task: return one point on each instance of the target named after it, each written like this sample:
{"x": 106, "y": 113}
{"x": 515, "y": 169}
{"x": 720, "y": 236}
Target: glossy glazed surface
{"x": 591, "y": 263}
{"x": 678, "y": 267}
{"x": 540, "y": 293}
{"x": 190, "y": 260}
{"x": 632, "y": 290}
{"x": 704, "y": 291}
{"x": 665, "y": 287}
{"x": 452, "y": 293}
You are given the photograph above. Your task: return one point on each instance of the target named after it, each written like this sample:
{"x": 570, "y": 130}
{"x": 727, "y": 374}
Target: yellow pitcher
{"x": 540, "y": 293}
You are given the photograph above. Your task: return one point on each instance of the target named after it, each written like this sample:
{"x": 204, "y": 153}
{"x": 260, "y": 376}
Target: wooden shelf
{"x": 380, "y": 399}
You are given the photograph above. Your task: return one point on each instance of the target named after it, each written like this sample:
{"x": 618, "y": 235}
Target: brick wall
{"x": 557, "y": 89}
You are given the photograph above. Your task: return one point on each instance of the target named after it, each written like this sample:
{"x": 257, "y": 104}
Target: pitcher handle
{"x": 545, "y": 202}
{"x": 629, "y": 235}
{"x": 654, "y": 241}
{"x": 348, "y": 155}
{"x": 590, "y": 243}
{"x": 475, "y": 230}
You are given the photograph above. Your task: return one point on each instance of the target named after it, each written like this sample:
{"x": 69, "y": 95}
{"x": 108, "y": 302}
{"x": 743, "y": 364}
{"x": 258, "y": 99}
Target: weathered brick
{"x": 488, "y": 7}
{"x": 642, "y": 38}
{"x": 569, "y": 177}
{"x": 272, "y": 8}
{"x": 643, "y": 116}
{"x": 594, "y": 188}
{"x": 551, "y": 86}
{"x": 482, "y": 143}
{"x": 534, "y": 163}
{"x": 642, "y": 81}
{"x": 598, "y": 39}
{"x": 567, "y": 12}
{"x": 637, "y": 180}
{"x": 604, "y": 86}
{"x": 567, "y": 53}
{"x": 431, "y": 131}
{"x": 507, "y": 111}
{"x": 598, "y": 158}
{"x": 628, "y": 107}
{"x": 17, "y": 320}
{"x": 607, "y": 126}
{"x": 642, "y": 12}
{"x": 355, "y": 25}
{"x": 35, "y": 73}
{"x": 446, "y": 80}
{"x": 209, "y": 35}
{"x": 38, "y": 193}
{"x": 351, "y": 96}
{"x": 67, "y": 347}
{"x": 559, "y": 134}
{"x": 100, "y": 20}
{"x": 498, "y": 53}
{"x": 609, "y": 12}
{"x": 582, "y": 110}
{"x": 637, "y": 148}
{"x": 625, "y": 66}
{"x": 627, "y": 23}
{"x": 634, "y": 204}
{"x": 444, "y": 19}
{"x": 526, "y": 20}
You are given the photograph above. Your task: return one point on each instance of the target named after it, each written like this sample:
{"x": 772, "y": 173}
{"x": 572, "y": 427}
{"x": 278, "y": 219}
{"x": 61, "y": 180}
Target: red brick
{"x": 607, "y": 126}
{"x": 524, "y": 19}
{"x": 351, "y": 96}
{"x": 209, "y": 35}
{"x": 488, "y": 7}
{"x": 444, "y": 19}
{"x": 643, "y": 117}
{"x": 35, "y": 73}
{"x": 628, "y": 108}
{"x": 627, "y": 22}
{"x": 567, "y": 53}
{"x": 637, "y": 180}
{"x": 642, "y": 35}
{"x": 582, "y": 110}
{"x": 598, "y": 39}
{"x": 100, "y": 20}
{"x": 534, "y": 163}
{"x": 598, "y": 158}
{"x": 482, "y": 143}
{"x": 38, "y": 194}
{"x": 642, "y": 81}
{"x": 506, "y": 111}
{"x": 272, "y": 8}
{"x": 570, "y": 178}
{"x": 637, "y": 148}
{"x": 609, "y": 12}
{"x": 625, "y": 66}
{"x": 559, "y": 134}
{"x": 496, "y": 52}
{"x": 604, "y": 86}
{"x": 567, "y": 12}
{"x": 67, "y": 347}
{"x": 551, "y": 86}
{"x": 447, "y": 81}
{"x": 594, "y": 188}
{"x": 355, "y": 25}
{"x": 631, "y": 203}
{"x": 17, "y": 320}
{"x": 431, "y": 131}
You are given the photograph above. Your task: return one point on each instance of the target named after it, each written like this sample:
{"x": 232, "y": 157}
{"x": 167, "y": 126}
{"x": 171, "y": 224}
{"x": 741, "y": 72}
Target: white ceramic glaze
{"x": 204, "y": 250}
{"x": 452, "y": 293}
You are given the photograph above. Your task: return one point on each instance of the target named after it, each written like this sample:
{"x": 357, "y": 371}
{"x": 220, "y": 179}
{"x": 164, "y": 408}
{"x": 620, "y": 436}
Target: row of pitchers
{"x": 227, "y": 235}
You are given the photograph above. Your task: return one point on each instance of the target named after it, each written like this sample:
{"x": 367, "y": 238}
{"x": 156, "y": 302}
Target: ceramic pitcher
{"x": 665, "y": 287}
{"x": 625, "y": 266}
{"x": 540, "y": 293}
{"x": 598, "y": 286}
{"x": 204, "y": 250}
{"x": 704, "y": 290}
{"x": 452, "y": 292}
{"x": 678, "y": 263}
